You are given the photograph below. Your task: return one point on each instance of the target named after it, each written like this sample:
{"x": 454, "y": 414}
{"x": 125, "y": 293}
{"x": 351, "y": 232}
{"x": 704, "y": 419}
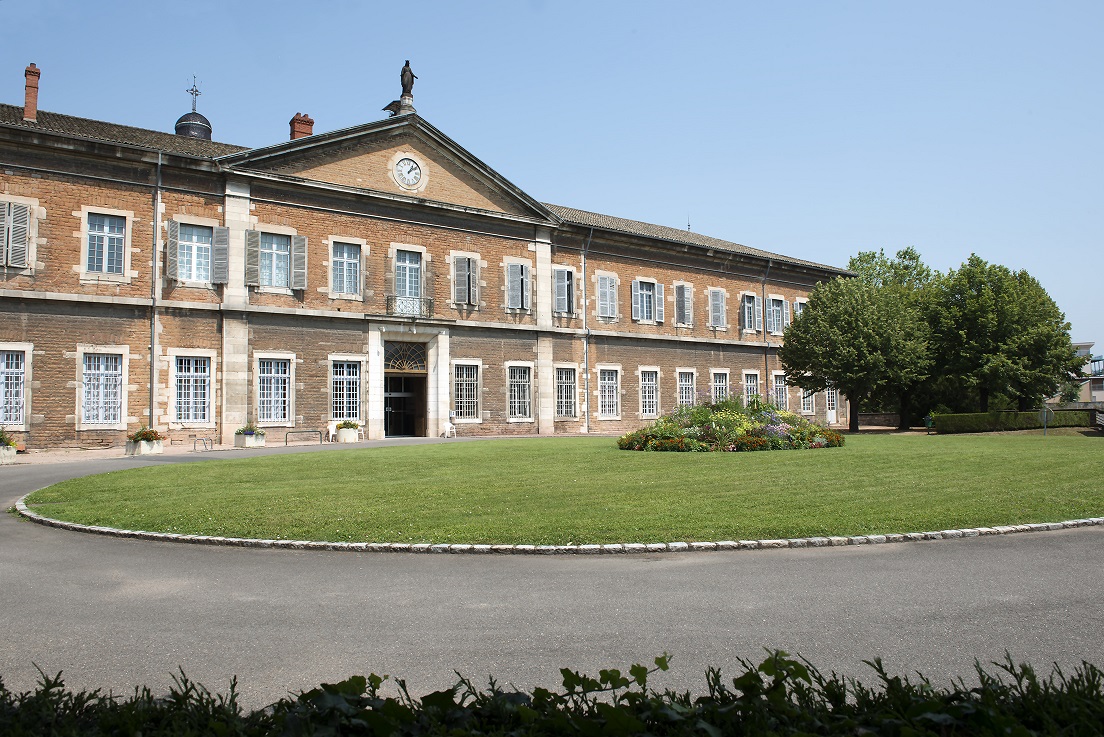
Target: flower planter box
{"x": 347, "y": 435}
{"x": 7, "y": 454}
{"x": 249, "y": 441}
{"x": 143, "y": 447}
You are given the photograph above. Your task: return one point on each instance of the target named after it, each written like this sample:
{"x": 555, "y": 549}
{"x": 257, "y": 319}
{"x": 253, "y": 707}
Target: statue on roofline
{"x": 407, "y": 76}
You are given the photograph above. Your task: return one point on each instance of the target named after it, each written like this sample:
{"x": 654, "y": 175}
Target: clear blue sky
{"x": 814, "y": 129}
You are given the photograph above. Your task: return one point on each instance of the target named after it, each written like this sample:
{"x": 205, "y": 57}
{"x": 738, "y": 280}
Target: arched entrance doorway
{"x": 404, "y": 389}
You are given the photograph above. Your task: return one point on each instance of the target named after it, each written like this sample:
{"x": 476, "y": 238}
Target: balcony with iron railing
{"x": 409, "y": 306}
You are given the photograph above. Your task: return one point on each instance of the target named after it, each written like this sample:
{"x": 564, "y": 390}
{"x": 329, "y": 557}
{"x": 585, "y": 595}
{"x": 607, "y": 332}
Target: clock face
{"x": 408, "y": 173}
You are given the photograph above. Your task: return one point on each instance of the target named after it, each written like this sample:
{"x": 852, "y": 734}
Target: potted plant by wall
{"x": 249, "y": 436}
{"x": 145, "y": 441}
{"x": 347, "y": 431}
{"x": 7, "y": 448}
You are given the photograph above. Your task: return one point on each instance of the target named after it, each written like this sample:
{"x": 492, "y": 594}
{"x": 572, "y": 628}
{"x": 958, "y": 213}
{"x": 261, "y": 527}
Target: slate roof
{"x": 671, "y": 235}
{"x": 113, "y": 133}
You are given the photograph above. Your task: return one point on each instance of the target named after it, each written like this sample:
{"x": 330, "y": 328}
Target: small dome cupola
{"x": 193, "y": 124}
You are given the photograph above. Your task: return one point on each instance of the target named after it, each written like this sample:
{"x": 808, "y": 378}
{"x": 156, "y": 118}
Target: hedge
{"x": 780, "y": 696}
{"x": 994, "y": 421}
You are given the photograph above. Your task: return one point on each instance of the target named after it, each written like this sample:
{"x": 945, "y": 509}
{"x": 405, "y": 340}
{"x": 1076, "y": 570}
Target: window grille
{"x": 465, "y": 405}
{"x": 521, "y": 407}
{"x": 12, "y": 380}
{"x": 720, "y": 386}
{"x": 649, "y": 393}
{"x": 686, "y": 388}
{"x": 566, "y": 392}
{"x": 609, "y": 393}
{"x": 781, "y": 396}
{"x": 274, "y": 390}
{"x": 103, "y": 381}
{"x": 751, "y": 388}
{"x": 346, "y": 390}
{"x": 193, "y": 389}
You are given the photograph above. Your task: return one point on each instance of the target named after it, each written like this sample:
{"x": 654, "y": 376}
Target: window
{"x": 465, "y": 392}
{"x": 12, "y": 382}
{"x": 194, "y": 253}
{"x": 15, "y": 234}
{"x": 566, "y": 392}
{"x": 778, "y": 315}
{"x": 807, "y": 402}
{"x": 751, "y": 312}
{"x": 647, "y": 297}
{"x": 649, "y": 393}
{"x": 684, "y": 313}
{"x": 193, "y": 389}
{"x": 831, "y": 400}
{"x": 686, "y": 393}
{"x": 517, "y": 286}
{"x": 106, "y": 243}
{"x": 345, "y": 268}
{"x": 563, "y": 290}
{"x": 781, "y": 396}
{"x": 717, "y": 317}
{"x": 720, "y": 386}
{"x": 274, "y": 260}
{"x": 274, "y": 390}
{"x": 751, "y": 388}
{"x": 609, "y": 394}
{"x": 345, "y": 389}
{"x": 102, "y": 382}
{"x": 465, "y": 280}
{"x": 520, "y": 388}
{"x": 798, "y": 308}
{"x": 607, "y": 295}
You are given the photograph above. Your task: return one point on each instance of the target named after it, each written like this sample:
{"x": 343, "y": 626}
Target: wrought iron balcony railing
{"x": 409, "y": 306}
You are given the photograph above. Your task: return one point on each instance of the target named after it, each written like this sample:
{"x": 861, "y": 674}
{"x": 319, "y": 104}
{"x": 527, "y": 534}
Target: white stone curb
{"x": 610, "y": 549}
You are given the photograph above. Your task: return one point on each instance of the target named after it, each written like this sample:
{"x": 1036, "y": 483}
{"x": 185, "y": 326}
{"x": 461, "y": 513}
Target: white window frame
{"x": 799, "y": 305}
{"x": 357, "y": 385}
{"x": 782, "y": 390}
{"x": 85, "y": 234}
{"x": 608, "y": 397}
{"x": 270, "y": 246}
{"x": 747, "y": 396}
{"x": 34, "y": 213}
{"x": 717, "y": 296}
{"x": 15, "y": 387}
{"x": 716, "y": 386}
{"x": 751, "y": 312}
{"x": 649, "y": 390}
{"x": 109, "y": 350}
{"x": 338, "y": 290}
{"x": 519, "y": 271}
{"x": 654, "y": 290}
{"x": 605, "y": 305}
{"x": 289, "y": 420}
{"x": 477, "y": 364}
{"x": 171, "y": 356}
{"x": 519, "y": 393}
{"x": 778, "y": 314}
{"x": 196, "y": 222}
{"x": 474, "y": 282}
{"x": 684, "y": 303}
{"x": 686, "y": 381}
{"x": 808, "y": 402}
{"x": 831, "y": 400}
{"x": 568, "y": 306}
{"x": 189, "y": 251}
{"x": 567, "y": 394}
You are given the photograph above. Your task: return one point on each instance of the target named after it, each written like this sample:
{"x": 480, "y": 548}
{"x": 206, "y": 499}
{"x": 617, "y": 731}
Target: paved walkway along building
{"x": 380, "y": 273}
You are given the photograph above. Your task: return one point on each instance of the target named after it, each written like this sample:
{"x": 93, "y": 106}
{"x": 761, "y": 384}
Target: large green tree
{"x": 996, "y": 331}
{"x": 857, "y": 337}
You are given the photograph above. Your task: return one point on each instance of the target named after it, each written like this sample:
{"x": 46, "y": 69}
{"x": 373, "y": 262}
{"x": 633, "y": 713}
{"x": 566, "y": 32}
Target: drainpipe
{"x": 766, "y": 338}
{"x": 154, "y": 279}
{"x": 586, "y": 341}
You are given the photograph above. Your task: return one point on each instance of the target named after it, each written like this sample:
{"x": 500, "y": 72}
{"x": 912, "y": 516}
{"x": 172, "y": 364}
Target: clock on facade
{"x": 407, "y": 172}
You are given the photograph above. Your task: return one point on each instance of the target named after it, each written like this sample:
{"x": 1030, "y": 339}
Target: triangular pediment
{"x": 377, "y": 157}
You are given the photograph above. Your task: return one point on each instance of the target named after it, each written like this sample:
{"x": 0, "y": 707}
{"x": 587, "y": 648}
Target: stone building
{"x": 380, "y": 273}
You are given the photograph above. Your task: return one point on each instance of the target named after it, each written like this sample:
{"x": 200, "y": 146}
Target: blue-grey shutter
{"x": 560, "y": 288}
{"x": 716, "y": 308}
{"x": 785, "y": 314}
{"x": 20, "y": 236}
{"x": 220, "y": 256}
{"x": 172, "y": 251}
{"x": 659, "y": 302}
{"x": 758, "y": 313}
{"x": 4, "y": 233}
{"x": 513, "y": 286}
{"x": 636, "y": 300}
{"x": 253, "y": 258}
{"x": 473, "y": 281}
{"x": 461, "y": 289}
{"x": 299, "y": 262}
{"x": 526, "y": 288}
{"x": 606, "y": 297}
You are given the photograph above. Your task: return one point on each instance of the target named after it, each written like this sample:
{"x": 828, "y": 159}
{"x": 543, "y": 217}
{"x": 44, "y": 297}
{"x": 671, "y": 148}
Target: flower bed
{"x": 728, "y": 426}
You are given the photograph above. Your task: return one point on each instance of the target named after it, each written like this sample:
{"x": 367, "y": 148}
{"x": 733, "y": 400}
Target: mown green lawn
{"x": 585, "y": 490}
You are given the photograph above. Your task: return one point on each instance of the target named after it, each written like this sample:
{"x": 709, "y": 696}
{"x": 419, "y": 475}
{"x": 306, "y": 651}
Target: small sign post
{"x": 1046, "y": 415}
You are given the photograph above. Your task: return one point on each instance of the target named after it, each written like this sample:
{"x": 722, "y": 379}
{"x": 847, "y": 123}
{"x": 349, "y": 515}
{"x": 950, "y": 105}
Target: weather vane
{"x": 194, "y": 92}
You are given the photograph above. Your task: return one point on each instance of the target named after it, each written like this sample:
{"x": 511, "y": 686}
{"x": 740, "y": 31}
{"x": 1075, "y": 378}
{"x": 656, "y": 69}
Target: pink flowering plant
{"x": 730, "y": 426}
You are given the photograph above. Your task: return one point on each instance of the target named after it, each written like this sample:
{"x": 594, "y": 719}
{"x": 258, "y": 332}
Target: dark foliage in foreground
{"x": 779, "y": 696}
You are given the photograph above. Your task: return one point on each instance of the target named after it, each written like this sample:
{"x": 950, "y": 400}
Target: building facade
{"x": 380, "y": 273}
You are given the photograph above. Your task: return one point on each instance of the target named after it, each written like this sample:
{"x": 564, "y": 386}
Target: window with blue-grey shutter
{"x": 517, "y": 286}
{"x": 716, "y": 308}
{"x": 15, "y": 234}
{"x": 607, "y": 296}
{"x": 220, "y": 256}
{"x": 465, "y": 271}
{"x": 563, "y": 290}
{"x": 299, "y": 262}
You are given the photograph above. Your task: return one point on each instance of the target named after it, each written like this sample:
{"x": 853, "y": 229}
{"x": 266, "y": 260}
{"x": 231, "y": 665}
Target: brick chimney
{"x": 301, "y": 126}
{"x": 30, "y": 101}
